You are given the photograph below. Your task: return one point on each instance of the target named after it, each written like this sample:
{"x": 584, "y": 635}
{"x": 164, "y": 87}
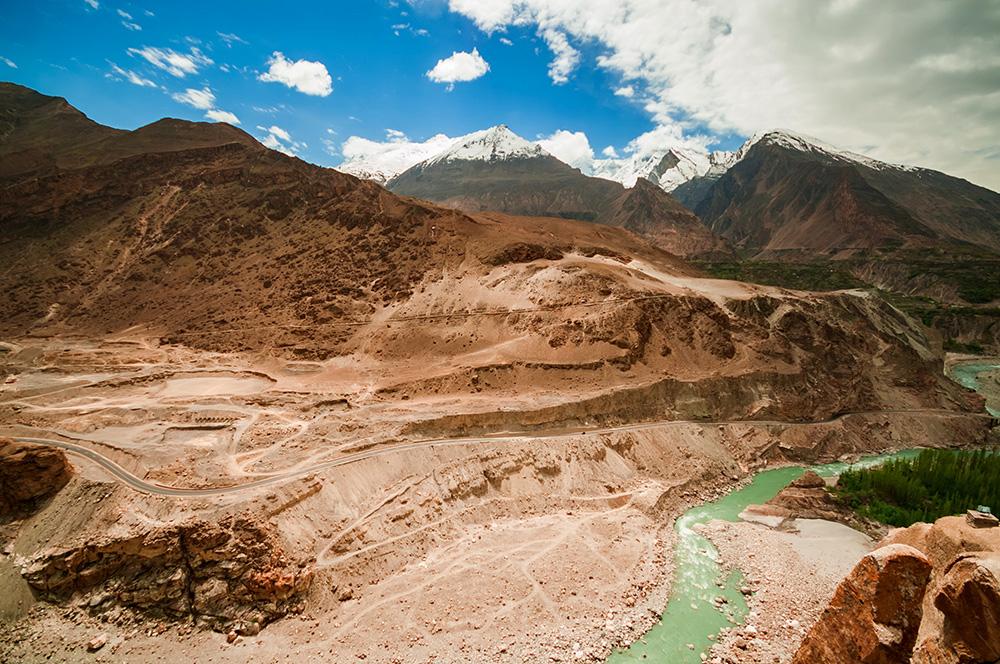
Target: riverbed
{"x": 694, "y": 615}
{"x": 983, "y": 376}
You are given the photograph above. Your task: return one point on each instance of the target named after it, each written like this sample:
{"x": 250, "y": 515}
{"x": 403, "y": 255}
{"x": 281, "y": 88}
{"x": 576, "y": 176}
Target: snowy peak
{"x": 796, "y": 141}
{"x": 494, "y": 144}
{"x": 668, "y": 168}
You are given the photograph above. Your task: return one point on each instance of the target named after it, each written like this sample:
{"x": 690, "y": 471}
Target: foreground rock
{"x": 875, "y": 614}
{"x": 968, "y": 598}
{"x": 230, "y": 573}
{"x": 28, "y": 475}
{"x": 929, "y": 595}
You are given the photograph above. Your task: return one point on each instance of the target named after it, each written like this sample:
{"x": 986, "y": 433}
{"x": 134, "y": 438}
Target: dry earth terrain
{"x": 310, "y": 419}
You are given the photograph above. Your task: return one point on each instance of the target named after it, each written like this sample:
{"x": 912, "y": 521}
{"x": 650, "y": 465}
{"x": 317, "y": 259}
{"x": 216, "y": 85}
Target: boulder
{"x": 875, "y": 613}
{"x": 29, "y": 474}
{"x": 968, "y": 597}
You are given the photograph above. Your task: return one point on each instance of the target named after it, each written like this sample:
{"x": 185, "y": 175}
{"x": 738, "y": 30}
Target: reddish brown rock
{"x": 875, "y": 613}
{"x": 232, "y": 572}
{"x": 28, "y": 474}
{"x": 968, "y": 597}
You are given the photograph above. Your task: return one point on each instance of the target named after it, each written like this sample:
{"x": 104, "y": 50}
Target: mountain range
{"x": 782, "y": 199}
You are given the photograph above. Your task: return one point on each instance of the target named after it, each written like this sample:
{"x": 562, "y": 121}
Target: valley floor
{"x": 548, "y": 544}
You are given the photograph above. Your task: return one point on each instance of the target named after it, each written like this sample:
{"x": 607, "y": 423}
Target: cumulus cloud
{"x": 393, "y": 155}
{"x": 279, "y": 132}
{"x": 219, "y": 115}
{"x": 566, "y": 57}
{"x": 281, "y": 140}
{"x": 625, "y": 91}
{"x": 879, "y": 76}
{"x": 130, "y": 76}
{"x": 572, "y": 147}
{"x": 459, "y": 67}
{"x": 203, "y": 99}
{"x": 7, "y": 61}
{"x": 307, "y": 77}
{"x": 610, "y": 152}
{"x": 174, "y": 63}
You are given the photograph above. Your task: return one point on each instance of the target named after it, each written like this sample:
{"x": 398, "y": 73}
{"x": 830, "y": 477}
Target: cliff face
{"x": 929, "y": 595}
{"x": 230, "y": 573}
{"x": 29, "y": 474}
{"x": 875, "y": 614}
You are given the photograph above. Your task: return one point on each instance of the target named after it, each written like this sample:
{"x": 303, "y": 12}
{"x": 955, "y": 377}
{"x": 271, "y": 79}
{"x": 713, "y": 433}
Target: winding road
{"x": 139, "y": 484}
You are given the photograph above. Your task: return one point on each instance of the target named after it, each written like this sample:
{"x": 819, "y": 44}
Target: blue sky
{"x": 881, "y": 77}
{"x": 69, "y": 48}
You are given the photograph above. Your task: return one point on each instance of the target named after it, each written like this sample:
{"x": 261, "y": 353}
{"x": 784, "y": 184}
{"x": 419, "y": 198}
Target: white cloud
{"x": 625, "y": 91}
{"x": 279, "y": 132}
{"x": 7, "y": 61}
{"x": 610, "y": 152}
{"x": 203, "y": 99}
{"x": 222, "y": 116}
{"x": 94, "y": 4}
{"x": 506, "y": 42}
{"x": 459, "y": 67}
{"x": 172, "y": 62}
{"x": 307, "y": 77}
{"x": 489, "y": 15}
{"x": 131, "y": 77}
{"x": 571, "y": 147}
{"x": 392, "y": 156}
{"x": 281, "y": 140}
{"x": 127, "y": 20}
{"x": 231, "y": 38}
{"x": 879, "y": 76}
{"x": 567, "y": 57}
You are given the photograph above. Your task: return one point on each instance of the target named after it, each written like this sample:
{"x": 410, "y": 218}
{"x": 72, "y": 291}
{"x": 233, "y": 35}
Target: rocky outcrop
{"x": 807, "y": 498}
{"x": 29, "y": 474}
{"x": 930, "y": 594}
{"x": 226, "y": 573}
{"x": 875, "y": 613}
{"x": 968, "y": 597}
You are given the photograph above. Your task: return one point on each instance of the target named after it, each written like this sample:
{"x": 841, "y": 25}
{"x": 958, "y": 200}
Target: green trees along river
{"x": 933, "y": 484}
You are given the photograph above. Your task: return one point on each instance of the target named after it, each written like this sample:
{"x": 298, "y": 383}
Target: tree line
{"x": 933, "y": 484}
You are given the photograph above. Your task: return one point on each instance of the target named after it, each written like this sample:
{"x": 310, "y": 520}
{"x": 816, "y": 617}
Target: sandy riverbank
{"x": 792, "y": 573}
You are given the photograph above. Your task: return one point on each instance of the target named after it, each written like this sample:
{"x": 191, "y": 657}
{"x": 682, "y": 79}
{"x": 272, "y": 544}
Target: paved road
{"x": 140, "y": 484}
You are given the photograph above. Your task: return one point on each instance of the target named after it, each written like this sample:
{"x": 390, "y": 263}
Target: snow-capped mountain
{"x": 495, "y": 169}
{"x": 382, "y": 162}
{"x": 491, "y": 144}
{"x": 803, "y": 143}
{"x": 668, "y": 168}
{"x": 373, "y": 160}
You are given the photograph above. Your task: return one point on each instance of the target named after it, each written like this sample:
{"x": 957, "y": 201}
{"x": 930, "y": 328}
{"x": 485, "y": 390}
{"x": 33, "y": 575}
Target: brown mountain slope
{"x": 799, "y": 201}
{"x": 541, "y": 185}
{"x": 38, "y": 132}
{"x": 230, "y": 318}
{"x": 235, "y": 247}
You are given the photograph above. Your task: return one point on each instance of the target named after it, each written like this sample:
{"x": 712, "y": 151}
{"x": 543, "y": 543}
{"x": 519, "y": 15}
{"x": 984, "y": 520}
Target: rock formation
{"x": 28, "y": 474}
{"x": 226, "y": 573}
{"x": 968, "y": 597}
{"x": 875, "y": 614}
{"x": 930, "y": 594}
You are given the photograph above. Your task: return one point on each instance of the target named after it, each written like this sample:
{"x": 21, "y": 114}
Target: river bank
{"x": 792, "y": 575}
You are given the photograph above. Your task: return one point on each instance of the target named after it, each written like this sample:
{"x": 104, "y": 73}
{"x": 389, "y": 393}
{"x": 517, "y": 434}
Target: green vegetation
{"x": 935, "y": 483}
{"x": 972, "y": 348}
{"x": 800, "y": 276}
